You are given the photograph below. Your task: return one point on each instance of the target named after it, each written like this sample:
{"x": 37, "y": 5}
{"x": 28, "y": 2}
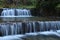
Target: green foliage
{"x": 51, "y": 3}
{"x": 17, "y": 3}
{"x": 1, "y": 2}
{"x": 47, "y": 7}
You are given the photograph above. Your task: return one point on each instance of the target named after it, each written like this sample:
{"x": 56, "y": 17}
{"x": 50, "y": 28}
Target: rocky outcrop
{"x": 1, "y": 11}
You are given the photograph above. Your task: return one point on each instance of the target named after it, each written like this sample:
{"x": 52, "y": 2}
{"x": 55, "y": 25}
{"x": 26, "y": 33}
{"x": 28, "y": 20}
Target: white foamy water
{"x": 19, "y": 37}
{"x": 12, "y": 37}
{"x": 12, "y": 14}
{"x": 16, "y": 13}
{"x": 17, "y": 30}
{"x": 29, "y": 27}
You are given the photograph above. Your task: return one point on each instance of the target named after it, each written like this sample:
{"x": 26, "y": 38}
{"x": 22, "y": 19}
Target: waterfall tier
{"x": 16, "y": 13}
{"x": 28, "y": 27}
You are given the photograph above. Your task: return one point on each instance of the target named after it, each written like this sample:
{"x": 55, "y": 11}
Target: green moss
{"x": 58, "y": 5}
{"x": 23, "y": 6}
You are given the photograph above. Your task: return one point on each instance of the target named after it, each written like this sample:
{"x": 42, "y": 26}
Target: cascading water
{"x": 19, "y": 29}
{"x": 13, "y": 14}
{"x": 23, "y": 12}
{"x": 16, "y": 13}
{"x": 29, "y": 27}
{"x": 8, "y": 13}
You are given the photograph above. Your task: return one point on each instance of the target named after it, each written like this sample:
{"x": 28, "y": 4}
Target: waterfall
{"x": 16, "y": 13}
{"x": 8, "y": 13}
{"x": 28, "y": 27}
{"x": 23, "y": 12}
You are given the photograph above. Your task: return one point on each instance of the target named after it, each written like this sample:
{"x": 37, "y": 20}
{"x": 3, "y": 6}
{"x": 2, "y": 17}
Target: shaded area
{"x": 47, "y": 8}
{"x": 1, "y": 11}
{"x": 42, "y": 37}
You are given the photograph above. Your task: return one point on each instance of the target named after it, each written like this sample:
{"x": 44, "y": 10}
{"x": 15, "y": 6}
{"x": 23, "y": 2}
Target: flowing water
{"x": 16, "y": 13}
{"x": 13, "y": 14}
{"x": 25, "y": 28}
{"x": 28, "y": 27}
